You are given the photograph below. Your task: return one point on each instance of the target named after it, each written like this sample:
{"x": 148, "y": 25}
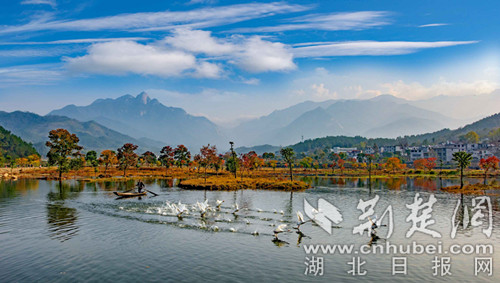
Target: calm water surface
{"x": 79, "y": 232}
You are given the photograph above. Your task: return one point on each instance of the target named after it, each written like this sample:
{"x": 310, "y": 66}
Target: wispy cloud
{"x": 433, "y": 25}
{"x": 38, "y": 52}
{"x": 370, "y": 48}
{"x": 75, "y": 41}
{"x": 29, "y": 75}
{"x": 51, "y": 3}
{"x": 204, "y": 17}
{"x": 331, "y": 22}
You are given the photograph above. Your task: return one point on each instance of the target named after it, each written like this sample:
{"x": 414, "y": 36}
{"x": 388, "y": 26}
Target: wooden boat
{"x": 128, "y": 195}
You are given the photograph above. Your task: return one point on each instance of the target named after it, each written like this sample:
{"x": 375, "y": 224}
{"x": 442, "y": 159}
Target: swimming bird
{"x": 236, "y": 208}
{"x": 232, "y": 229}
{"x": 255, "y": 233}
{"x": 259, "y": 210}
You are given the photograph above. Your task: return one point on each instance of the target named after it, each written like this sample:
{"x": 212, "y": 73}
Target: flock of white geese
{"x": 205, "y": 210}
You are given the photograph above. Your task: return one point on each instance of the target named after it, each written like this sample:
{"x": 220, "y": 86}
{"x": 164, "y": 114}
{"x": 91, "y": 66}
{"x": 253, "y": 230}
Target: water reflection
{"x": 10, "y": 189}
{"x": 61, "y": 219}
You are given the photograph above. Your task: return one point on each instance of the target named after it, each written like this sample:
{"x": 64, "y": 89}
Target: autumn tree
{"x": 419, "y": 163}
{"x": 471, "y": 137}
{"x": 463, "y": 160}
{"x": 341, "y": 165}
{"x": 127, "y": 157}
{"x": 289, "y": 157}
{"x": 207, "y": 157}
{"x": 149, "y": 158}
{"x": 181, "y": 155}
{"x": 34, "y": 160}
{"x": 250, "y": 161}
{"x": 490, "y": 163}
{"x": 218, "y": 163}
{"x": 108, "y": 158}
{"x": 167, "y": 156}
{"x": 392, "y": 164}
{"x": 63, "y": 145}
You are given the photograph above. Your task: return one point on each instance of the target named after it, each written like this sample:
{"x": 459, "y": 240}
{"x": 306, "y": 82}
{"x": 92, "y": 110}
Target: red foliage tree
{"x": 490, "y": 163}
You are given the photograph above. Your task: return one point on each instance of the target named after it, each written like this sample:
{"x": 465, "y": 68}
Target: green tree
{"x": 463, "y": 160}
{"x": 91, "y": 158}
{"x": 127, "y": 157}
{"x": 62, "y": 145}
{"x": 289, "y": 156}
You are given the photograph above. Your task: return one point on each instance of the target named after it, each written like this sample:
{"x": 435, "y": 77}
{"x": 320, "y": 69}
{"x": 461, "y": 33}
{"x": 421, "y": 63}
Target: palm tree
{"x": 289, "y": 156}
{"x": 463, "y": 160}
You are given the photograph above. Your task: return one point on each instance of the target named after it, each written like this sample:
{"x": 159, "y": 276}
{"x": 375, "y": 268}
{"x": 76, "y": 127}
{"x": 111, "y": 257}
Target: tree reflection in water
{"x": 60, "y": 218}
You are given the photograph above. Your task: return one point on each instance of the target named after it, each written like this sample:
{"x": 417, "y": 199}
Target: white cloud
{"x": 176, "y": 55}
{"x": 167, "y": 20}
{"x": 263, "y": 56}
{"x": 332, "y": 22}
{"x": 322, "y": 93}
{"x": 51, "y": 3}
{"x": 253, "y": 54}
{"x": 416, "y": 90}
{"x": 199, "y": 41}
{"x": 122, "y": 57}
{"x": 433, "y": 25}
{"x": 250, "y": 81}
{"x": 208, "y": 70}
{"x": 372, "y": 48}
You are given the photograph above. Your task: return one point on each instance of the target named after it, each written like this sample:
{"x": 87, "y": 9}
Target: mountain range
{"x": 481, "y": 127}
{"x": 109, "y": 123}
{"x": 143, "y": 117}
{"x": 35, "y": 129}
{"x": 382, "y": 116}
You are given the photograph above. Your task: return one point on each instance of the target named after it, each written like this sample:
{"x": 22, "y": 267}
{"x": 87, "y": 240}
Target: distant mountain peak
{"x": 143, "y": 97}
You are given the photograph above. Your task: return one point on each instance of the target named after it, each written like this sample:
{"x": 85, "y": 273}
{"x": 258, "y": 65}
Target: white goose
{"x": 218, "y": 204}
{"x": 280, "y": 229}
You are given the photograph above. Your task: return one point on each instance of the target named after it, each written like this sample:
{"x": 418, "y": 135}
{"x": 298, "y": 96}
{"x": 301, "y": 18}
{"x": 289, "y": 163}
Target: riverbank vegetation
{"x": 210, "y": 169}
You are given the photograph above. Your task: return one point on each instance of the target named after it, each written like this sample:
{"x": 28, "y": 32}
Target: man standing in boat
{"x": 140, "y": 186}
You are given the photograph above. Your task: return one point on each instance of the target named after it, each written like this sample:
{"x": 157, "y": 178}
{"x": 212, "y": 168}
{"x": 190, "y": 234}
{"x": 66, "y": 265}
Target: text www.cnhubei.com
{"x": 402, "y": 249}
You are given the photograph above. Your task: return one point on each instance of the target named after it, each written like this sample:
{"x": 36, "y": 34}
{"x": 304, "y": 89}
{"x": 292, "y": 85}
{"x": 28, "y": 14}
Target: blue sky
{"x": 231, "y": 60}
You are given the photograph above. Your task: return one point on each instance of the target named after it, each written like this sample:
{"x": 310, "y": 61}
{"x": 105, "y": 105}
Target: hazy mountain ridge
{"x": 482, "y": 127}
{"x": 382, "y": 116}
{"x": 143, "y": 117}
{"x": 93, "y": 136}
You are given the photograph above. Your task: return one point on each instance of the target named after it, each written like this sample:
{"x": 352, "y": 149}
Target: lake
{"x": 76, "y": 231}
